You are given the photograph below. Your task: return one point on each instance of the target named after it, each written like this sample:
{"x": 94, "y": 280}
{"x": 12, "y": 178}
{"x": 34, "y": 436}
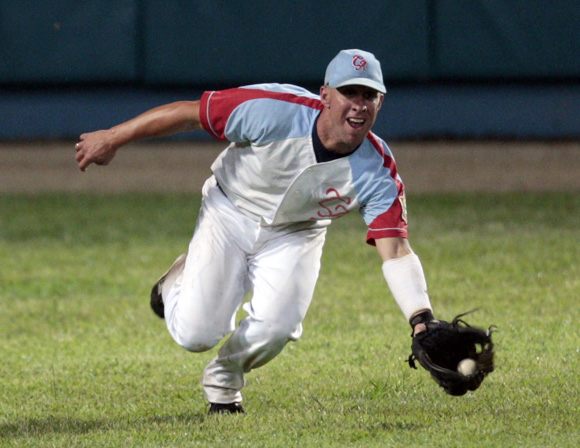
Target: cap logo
{"x": 359, "y": 63}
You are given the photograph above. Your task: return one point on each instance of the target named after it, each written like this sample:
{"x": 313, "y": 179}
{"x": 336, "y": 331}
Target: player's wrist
{"x": 421, "y": 317}
{"x": 118, "y": 136}
{"x": 419, "y": 321}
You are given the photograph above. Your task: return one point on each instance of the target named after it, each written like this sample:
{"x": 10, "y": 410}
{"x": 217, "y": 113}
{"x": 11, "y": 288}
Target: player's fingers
{"x": 83, "y": 160}
{"x": 83, "y": 164}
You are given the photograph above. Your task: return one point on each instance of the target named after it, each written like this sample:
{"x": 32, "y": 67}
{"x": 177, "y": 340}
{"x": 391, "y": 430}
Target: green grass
{"x": 85, "y": 363}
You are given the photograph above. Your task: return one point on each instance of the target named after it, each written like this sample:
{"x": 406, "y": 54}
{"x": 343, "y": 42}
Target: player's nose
{"x": 358, "y": 103}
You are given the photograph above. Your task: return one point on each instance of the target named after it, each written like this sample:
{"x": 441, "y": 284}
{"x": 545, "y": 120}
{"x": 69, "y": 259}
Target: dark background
{"x": 459, "y": 69}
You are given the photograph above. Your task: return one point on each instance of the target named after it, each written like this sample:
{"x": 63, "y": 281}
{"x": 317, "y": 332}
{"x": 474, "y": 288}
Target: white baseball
{"x": 466, "y": 367}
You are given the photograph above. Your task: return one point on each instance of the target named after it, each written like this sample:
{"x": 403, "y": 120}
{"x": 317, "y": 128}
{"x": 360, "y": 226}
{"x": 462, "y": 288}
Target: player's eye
{"x": 370, "y": 95}
{"x": 348, "y": 91}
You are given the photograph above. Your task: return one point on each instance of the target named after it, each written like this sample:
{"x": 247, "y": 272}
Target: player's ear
{"x": 325, "y": 96}
{"x": 381, "y": 98}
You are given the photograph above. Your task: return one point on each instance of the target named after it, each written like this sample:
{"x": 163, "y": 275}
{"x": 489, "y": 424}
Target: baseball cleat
{"x": 226, "y": 408}
{"x": 157, "y": 291}
{"x": 157, "y": 301}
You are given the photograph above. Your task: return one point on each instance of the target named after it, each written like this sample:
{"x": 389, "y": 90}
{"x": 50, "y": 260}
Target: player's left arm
{"x": 404, "y": 275}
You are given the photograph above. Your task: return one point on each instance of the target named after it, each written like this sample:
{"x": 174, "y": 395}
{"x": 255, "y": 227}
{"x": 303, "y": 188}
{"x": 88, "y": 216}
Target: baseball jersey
{"x": 273, "y": 170}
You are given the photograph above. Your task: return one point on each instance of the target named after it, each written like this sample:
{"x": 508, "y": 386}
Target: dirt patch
{"x": 183, "y": 166}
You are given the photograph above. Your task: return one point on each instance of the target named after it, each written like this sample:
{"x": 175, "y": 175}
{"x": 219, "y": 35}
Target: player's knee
{"x": 196, "y": 340}
{"x": 281, "y": 334}
{"x": 198, "y": 345}
{"x": 269, "y": 341}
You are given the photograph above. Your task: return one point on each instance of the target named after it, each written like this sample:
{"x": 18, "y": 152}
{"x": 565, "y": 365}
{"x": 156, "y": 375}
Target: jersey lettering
{"x": 333, "y": 205}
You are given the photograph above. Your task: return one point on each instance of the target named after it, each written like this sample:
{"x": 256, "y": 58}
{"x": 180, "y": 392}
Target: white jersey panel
{"x": 322, "y": 191}
{"x": 256, "y": 177}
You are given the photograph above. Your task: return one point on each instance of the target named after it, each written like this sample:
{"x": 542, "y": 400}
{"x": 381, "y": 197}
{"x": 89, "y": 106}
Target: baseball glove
{"x": 441, "y": 348}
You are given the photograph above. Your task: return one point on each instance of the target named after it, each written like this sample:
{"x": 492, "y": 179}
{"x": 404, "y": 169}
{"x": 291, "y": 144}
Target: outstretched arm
{"x": 404, "y": 275}
{"x": 100, "y": 147}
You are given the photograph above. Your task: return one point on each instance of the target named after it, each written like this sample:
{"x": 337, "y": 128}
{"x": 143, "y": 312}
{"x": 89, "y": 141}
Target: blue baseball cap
{"x": 355, "y": 67}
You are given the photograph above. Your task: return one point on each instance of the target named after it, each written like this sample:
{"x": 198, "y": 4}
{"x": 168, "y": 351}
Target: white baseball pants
{"x": 230, "y": 255}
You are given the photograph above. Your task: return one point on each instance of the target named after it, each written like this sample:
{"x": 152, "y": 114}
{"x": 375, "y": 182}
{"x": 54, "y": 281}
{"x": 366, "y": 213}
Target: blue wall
{"x": 453, "y": 68}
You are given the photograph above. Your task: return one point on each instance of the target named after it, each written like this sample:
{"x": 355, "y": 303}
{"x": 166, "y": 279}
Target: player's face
{"x": 351, "y": 112}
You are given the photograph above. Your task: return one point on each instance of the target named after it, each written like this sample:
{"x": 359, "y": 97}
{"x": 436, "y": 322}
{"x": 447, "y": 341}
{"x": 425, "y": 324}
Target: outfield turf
{"x": 85, "y": 363}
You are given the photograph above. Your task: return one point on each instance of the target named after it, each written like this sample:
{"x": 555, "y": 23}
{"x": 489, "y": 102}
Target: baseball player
{"x": 295, "y": 162}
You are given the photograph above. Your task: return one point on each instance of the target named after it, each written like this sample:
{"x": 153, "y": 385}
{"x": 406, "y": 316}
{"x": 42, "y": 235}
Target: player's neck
{"x": 340, "y": 148}
{"x": 332, "y": 139}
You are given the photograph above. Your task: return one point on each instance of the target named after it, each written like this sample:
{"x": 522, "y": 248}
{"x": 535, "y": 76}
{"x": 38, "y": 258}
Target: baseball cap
{"x": 355, "y": 67}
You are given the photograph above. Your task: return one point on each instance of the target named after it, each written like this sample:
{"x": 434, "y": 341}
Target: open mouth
{"x": 356, "y": 122}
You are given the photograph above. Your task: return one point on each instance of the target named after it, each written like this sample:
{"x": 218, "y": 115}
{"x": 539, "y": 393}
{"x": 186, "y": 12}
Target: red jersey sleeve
{"x": 393, "y": 221}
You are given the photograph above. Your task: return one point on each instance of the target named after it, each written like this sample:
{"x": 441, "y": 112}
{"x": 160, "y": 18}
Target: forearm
{"x": 407, "y": 283}
{"x": 161, "y": 121}
{"x": 404, "y": 275}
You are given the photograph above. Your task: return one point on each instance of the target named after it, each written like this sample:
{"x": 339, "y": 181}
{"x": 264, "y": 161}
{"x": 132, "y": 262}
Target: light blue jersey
{"x": 270, "y": 170}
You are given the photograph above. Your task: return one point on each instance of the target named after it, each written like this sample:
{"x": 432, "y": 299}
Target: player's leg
{"x": 284, "y": 274}
{"x": 201, "y": 303}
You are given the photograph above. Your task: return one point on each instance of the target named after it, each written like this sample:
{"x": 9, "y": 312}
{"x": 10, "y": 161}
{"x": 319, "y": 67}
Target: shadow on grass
{"x": 40, "y": 427}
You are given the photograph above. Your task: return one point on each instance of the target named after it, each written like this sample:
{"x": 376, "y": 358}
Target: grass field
{"x": 85, "y": 363}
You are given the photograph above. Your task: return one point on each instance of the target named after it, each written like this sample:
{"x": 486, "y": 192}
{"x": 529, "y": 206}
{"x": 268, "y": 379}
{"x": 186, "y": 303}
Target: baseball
{"x": 466, "y": 367}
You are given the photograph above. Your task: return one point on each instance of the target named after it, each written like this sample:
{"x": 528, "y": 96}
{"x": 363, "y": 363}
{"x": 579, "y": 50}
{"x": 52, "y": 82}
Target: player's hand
{"x": 95, "y": 147}
{"x": 419, "y": 328}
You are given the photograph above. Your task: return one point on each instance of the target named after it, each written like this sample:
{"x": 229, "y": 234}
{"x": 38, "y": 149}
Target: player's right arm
{"x": 100, "y": 147}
